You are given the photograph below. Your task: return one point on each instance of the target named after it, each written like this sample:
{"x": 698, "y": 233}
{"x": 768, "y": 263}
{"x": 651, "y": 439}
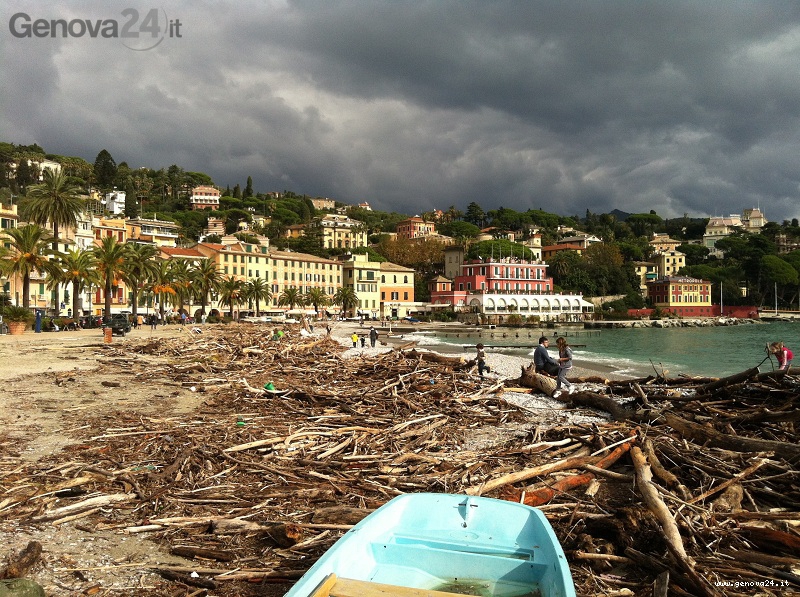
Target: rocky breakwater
{"x": 699, "y": 322}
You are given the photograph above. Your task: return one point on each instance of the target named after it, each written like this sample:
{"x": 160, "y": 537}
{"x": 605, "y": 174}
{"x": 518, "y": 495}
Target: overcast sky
{"x": 680, "y": 107}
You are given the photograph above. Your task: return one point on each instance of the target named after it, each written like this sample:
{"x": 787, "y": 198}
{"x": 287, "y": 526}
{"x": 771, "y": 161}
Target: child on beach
{"x": 783, "y": 354}
{"x": 354, "y": 338}
{"x": 481, "y": 359}
{"x": 564, "y": 365}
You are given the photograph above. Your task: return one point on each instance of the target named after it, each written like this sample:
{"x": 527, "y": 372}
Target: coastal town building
{"x": 718, "y": 227}
{"x": 287, "y": 269}
{"x": 415, "y": 227}
{"x": 342, "y": 232}
{"x": 363, "y": 276}
{"x": 323, "y": 203}
{"x": 582, "y": 240}
{"x": 160, "y": 233}
{"x": 550, "y": 250}
{"x": 682, "y": 296}
{"x": 115, "y": 202}
{"x": 646, "y": 271}
{"x": 215, "y": 226}
{"x": 753, "y": 220}
{"x": 669, "y": 263}
{"x": 494, "y": 233}
{"x": 662, "y": 243}
{"x": 204, "y": 197}
{"x": 786, "y": 243}
{"x": 397, "y": 290}
{"x": 498, "y": 288}
{"x": 8, "y": 215}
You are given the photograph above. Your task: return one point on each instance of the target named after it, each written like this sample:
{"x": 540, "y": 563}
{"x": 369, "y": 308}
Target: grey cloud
{"x": 679, "y": 107}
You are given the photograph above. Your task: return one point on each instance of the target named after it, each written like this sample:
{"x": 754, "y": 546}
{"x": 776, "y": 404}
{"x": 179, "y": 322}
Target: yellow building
{"x": 304, "y": 272}
{"x": 341, "y": 232}
{"x": 280, "y": 269}
{"x": 669, "y": 263}
{"x": 363, "y": 276}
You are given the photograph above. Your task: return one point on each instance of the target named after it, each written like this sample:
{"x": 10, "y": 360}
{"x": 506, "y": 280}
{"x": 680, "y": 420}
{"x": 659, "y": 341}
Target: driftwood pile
{"x": 690, "y": 488}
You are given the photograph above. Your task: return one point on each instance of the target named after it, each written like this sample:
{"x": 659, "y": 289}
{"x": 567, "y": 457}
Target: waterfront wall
{"x": 670, "y": 323}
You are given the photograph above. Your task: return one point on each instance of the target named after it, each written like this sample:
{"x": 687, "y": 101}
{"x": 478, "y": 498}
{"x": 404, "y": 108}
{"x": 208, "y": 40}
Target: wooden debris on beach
{"x": 690, "y": 486}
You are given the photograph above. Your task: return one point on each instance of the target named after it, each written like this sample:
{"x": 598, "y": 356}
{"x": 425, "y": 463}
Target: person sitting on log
{"x": 542, "y": 360}
{"x": 783, "y": 354}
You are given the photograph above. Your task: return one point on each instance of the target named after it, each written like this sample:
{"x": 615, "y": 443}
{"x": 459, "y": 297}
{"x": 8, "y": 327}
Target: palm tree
{"x": 138, "y": 270}
{"x": 291, "y": 297}
{"x": 230, "y": 292}
{"x": 205, "y": 279}
{"x": 318, "y": 298}
{"x": 346, "y": 297}
{"x": 181, "y": 274}
{"x": 55, "y": 201}
{"x": 161, "y": 284}
{"x": 27, "y": 252}
{"x": 111, "y": 257}
{"x": 80, "y": 270}
{"x": 258, "y": 290}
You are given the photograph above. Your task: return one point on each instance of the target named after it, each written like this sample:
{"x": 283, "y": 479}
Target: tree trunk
{"x": 76, "y": 287}
{"x": 56, "y": 293}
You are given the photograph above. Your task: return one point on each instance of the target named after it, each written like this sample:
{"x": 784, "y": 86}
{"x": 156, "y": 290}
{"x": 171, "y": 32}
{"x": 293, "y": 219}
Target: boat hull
{"x": 451, "y": 543}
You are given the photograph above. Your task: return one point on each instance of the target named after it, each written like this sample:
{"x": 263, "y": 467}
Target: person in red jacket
{"x": 783, "y": 354}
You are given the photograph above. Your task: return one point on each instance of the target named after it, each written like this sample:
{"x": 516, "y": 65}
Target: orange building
{"x": 397, "y": 290}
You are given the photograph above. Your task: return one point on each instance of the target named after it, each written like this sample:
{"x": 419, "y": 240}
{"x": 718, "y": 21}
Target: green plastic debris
{"x": 20, "y": 587}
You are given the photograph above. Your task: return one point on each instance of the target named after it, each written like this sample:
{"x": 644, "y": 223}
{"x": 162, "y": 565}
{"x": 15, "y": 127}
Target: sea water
{"x": 696, "y": 351}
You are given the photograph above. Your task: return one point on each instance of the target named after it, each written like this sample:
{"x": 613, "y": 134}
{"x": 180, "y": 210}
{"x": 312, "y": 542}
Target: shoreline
{"x": 502, "y": 366}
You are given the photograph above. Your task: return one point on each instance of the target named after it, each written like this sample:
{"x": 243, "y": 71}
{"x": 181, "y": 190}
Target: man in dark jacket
{"x": 373, "y": 336}
{"x": 542, "y": 360}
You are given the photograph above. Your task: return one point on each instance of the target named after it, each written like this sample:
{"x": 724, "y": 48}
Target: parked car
{"x": 119, "y": 324}
{"x": 410, "y": 319}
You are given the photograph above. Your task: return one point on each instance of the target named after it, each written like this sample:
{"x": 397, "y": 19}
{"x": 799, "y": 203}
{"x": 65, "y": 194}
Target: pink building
{"x": 509, "y": 275}
{"x": 203, "y": 197}
{"x": 415, "y": 227}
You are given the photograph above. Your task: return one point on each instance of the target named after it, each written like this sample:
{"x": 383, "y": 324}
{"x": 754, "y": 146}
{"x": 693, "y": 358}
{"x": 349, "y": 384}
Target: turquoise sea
{"x": 708, "y": 351}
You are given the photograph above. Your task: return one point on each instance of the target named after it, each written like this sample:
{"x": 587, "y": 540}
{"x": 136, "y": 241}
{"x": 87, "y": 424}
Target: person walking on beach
{"x": 354, "y": 338}
{"x": 481, "y": 359}
{"x": 542, "y": 360}
{"x": 373, "y": 336}
{"x": 564, "y": 366}
{"x": 783, "y": 354}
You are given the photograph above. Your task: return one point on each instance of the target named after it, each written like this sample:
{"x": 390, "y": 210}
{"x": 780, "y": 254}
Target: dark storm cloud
{"x": 679, "y": 107}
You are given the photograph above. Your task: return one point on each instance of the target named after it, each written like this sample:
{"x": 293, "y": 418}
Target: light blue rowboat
{"x": 439, "y": 545}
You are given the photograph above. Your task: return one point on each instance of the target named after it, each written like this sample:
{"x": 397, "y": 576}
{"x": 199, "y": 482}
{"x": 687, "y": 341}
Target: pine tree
{"x": 105, "y": 170}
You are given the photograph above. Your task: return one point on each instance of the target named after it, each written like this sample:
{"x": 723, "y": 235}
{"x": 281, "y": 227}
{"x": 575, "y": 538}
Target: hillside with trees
{"x": 751, "y": 261}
